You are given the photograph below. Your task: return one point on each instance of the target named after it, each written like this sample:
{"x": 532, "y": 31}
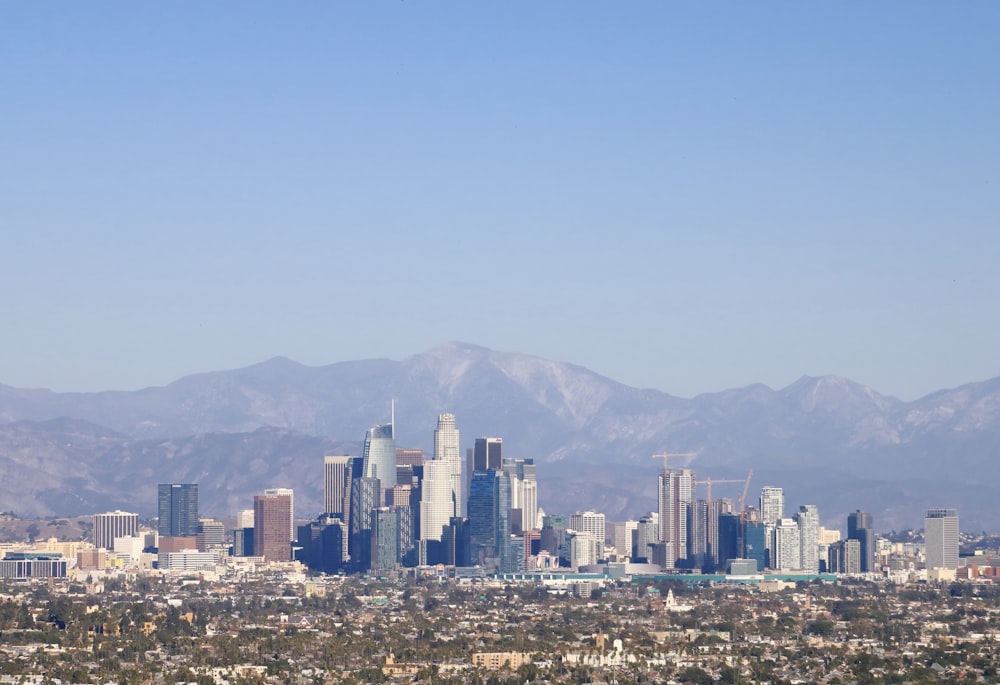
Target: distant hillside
{"x": 827, "y": 441}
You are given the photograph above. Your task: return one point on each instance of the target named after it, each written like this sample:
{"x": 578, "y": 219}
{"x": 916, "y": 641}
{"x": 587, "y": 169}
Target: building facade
{"x": 272, "y": 515}
{"x": 941, "y": 538}
{"x": 177, "y": 508}
{"x": 114, "y": 524}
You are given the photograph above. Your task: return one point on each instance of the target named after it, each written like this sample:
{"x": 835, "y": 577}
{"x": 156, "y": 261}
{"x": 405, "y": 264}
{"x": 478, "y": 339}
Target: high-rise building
{"x": 211, "y": 535}
{"x": 177, "y": 507}
{"x": 366, "y": 496}
{"x": 772, "y": 505}
{"x": 808, "y": 522}
{"x": 385, "y": 539}
{"x": 787, "y": 547}
{"x": 380, "y": 455}
{"x": 489, "y": 515}
{"x": 446, "y": 450}
{"x": 436, "y": 504}
{"x": 941, "y": 538}
{"x": 676, "y": 487}
{"x": 860, "y": 527}
{"x": 272, "y": 516}
{"x": 488, "y": 454}
{"x": 114, "y": 524}
{"x": 336, "y": 484}
{"x": 844, "y": 556}
{"x": 592, "y": 523}
{"x": 647, "y": 534}
{"x": 291, "y": 503}
{"x": 730, "y": 538}
{"x": 409, "y": 456}
{"x": 755, "y": 534}
{"x": 523, "y": 494}
{"x": 623, "y": 536}
{"x": 698, "y": 537}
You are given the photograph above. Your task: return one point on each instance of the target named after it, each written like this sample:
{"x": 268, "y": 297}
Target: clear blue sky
{"x": 681, "y": 196}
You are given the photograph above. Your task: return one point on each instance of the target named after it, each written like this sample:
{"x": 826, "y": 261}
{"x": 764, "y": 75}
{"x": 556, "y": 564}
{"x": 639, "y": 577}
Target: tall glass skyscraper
{"x": 860, "y": 527}
{"x": 380, "y": 455}
{"x": 177, "y": 508}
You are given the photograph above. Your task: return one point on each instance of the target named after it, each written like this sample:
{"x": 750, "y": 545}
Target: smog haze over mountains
{"x": 826, "y": 441}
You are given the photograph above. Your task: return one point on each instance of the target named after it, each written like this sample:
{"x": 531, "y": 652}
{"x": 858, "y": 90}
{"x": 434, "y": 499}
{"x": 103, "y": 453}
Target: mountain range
{"x": 826, "y": 440}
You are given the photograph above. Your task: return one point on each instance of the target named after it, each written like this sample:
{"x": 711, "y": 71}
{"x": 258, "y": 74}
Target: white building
{"x": 787, "y": 548}
{"x": 591, "y": 523}
{"x": 114, "y": 524}
{"x": 336, "y": 484}
{"x": 436, "y": 504}
{"x": 676, "y": 489}
{"x": 808, "y": 522}
{"x": 446, "y": 441}
{"x": 941, "y": 538}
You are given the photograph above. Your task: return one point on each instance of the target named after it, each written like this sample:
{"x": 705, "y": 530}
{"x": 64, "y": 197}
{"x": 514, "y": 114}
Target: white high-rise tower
{"x": 675, "y": 493}
{"x": 436, "y": 505}
{"x": 446, "y": 450}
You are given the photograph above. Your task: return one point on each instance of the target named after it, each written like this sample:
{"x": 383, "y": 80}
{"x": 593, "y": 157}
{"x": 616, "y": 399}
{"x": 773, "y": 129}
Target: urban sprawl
{"x": 447, "y": 570}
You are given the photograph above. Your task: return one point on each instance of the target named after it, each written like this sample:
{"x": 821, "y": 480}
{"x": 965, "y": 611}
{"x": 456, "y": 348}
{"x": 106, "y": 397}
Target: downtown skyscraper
{"x": 446, "y": 450}
{"x": 380, "y": 456}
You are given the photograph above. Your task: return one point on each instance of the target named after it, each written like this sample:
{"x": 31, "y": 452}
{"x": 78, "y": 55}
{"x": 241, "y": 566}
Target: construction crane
{"x": 709, "y": 481}
{"x": 743, "y": 497}
{"x": 664, "y": 454}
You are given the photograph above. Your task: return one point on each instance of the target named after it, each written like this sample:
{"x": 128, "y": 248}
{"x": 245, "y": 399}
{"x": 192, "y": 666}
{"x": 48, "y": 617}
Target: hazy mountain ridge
{"x": 241, "y": 430}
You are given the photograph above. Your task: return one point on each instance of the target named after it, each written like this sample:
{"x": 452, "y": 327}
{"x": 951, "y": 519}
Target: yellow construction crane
{"x": 743, "y": 497}
{"x": 709, "y": 481}
{"x": 664, "y": 454}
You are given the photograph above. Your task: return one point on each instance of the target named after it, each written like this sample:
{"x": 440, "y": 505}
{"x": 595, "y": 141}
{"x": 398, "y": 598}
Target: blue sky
{"x": 687, "y": 197}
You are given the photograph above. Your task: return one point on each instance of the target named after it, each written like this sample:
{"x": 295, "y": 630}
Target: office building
{"x": 323, "y": 543}
{"x": 384, "y": 539}
{"x": 676, "y": 487}
{"x": 523, "y": 494}
{"x": 436, "y": 504}
{"x": 211, "y": 535}
{"x": 488, "y": 454}
{"x": 623, "y": 536}
{"x": 380, "y": 455}
{"x": 177, "y": 508}
{"x": 647, "y": 534}
{"x": 592, "y": 523}
{"x": 755, "y": 542}
{"x": 366, "y": 496}
{"x": 272, "y": 537}
{"x": 291, "y": 503}
{"x": 730, "y": 539}
{"x": 860, "y": 527}
{"x": 409, "y": 456}
{"x": 114, "y": 524}
{"x": 336, "y": 484}
{"x": 941, "y": 538}
{"x": 808, "y": 522}
{"x": 446, "y": 451}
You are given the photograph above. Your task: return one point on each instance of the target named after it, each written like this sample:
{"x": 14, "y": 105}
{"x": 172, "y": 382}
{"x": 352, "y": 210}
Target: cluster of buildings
{"x": 389, "y": 508}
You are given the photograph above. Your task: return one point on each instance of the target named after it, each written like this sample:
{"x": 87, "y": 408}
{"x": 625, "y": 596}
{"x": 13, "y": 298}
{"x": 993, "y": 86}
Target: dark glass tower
{"x": 177, "y": 507}
{"x": 860, "y": 527}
